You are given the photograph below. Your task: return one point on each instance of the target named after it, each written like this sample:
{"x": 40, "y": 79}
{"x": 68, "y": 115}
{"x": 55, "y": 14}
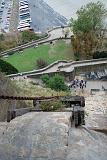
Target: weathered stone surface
{"x": 96, "y": 111}
{"x": 35, "y": 136}
{"x": 86, "y": 145}
{"x": 48, "y": 136}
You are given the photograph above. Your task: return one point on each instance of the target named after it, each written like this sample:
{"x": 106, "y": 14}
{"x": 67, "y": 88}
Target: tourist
{"x": 85, "y": 83}
{"x": 103, "y": 88}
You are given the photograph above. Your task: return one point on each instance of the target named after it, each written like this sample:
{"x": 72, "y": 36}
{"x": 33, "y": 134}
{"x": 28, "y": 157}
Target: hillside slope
{"x": 8, "y": 88}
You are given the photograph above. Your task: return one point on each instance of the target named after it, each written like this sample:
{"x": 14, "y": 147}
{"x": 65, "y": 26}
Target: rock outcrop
{"x": 49, "y": 136}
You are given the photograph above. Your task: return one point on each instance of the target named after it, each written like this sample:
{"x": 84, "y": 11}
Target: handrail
{"x": 4, "y": 97}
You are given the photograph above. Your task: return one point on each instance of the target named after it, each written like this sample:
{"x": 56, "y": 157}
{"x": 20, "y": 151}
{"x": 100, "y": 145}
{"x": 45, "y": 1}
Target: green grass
{"x": 26, "y": 61}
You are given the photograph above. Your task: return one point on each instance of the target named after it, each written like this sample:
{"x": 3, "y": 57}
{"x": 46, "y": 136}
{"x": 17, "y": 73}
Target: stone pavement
{"x": 96, "y": 84}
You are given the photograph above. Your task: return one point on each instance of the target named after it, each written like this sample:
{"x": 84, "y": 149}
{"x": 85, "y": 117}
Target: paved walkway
{"x": 96, "y": 85}
{"x": 62, "y": 66}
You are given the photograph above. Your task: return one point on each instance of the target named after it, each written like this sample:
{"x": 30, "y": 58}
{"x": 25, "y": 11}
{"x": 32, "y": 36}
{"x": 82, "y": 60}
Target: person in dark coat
{"x": 80, "y": 85}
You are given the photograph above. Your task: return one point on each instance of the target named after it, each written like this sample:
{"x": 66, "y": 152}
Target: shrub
{"x": 56, "y": 83}
{"x": 77, "y": 56}
{"x": 7, "y": 68}
{"x": 6, "y": 44}
{"x": 45, "y": 79}
{"x": 51, "y": 105}
{"x": 29, "y": 36}
{"x": 102, "y": 54}
{"x": 41, "y": 63}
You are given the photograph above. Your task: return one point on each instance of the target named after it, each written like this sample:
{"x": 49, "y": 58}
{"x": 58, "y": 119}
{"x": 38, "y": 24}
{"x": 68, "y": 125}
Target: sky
{"x": 68, "y": 8}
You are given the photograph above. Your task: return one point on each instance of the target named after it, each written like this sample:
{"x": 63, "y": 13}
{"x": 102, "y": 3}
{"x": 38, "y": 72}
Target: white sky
{"x": 68, "y": 8}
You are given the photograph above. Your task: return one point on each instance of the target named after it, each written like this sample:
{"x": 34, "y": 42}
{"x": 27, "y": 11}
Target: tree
{"x": 9, "y": 40}
{"x": 87, "y": 27}
{"x": 28, "y": 36}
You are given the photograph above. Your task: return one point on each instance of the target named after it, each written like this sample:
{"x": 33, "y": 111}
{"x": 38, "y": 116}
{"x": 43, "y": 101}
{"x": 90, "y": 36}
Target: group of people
{"x": 78, "y": 83}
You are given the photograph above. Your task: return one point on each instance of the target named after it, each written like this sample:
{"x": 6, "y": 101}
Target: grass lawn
{"x": 26, "y": 61}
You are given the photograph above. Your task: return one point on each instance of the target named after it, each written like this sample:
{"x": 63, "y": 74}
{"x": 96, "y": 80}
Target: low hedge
{"x": 7, "y": 68}
{"x": 98, "y": 55}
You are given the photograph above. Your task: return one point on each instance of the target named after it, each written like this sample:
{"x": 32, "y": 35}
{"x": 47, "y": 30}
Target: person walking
{"x": 80, "y": 84}
{"x": 103, "y": 88}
